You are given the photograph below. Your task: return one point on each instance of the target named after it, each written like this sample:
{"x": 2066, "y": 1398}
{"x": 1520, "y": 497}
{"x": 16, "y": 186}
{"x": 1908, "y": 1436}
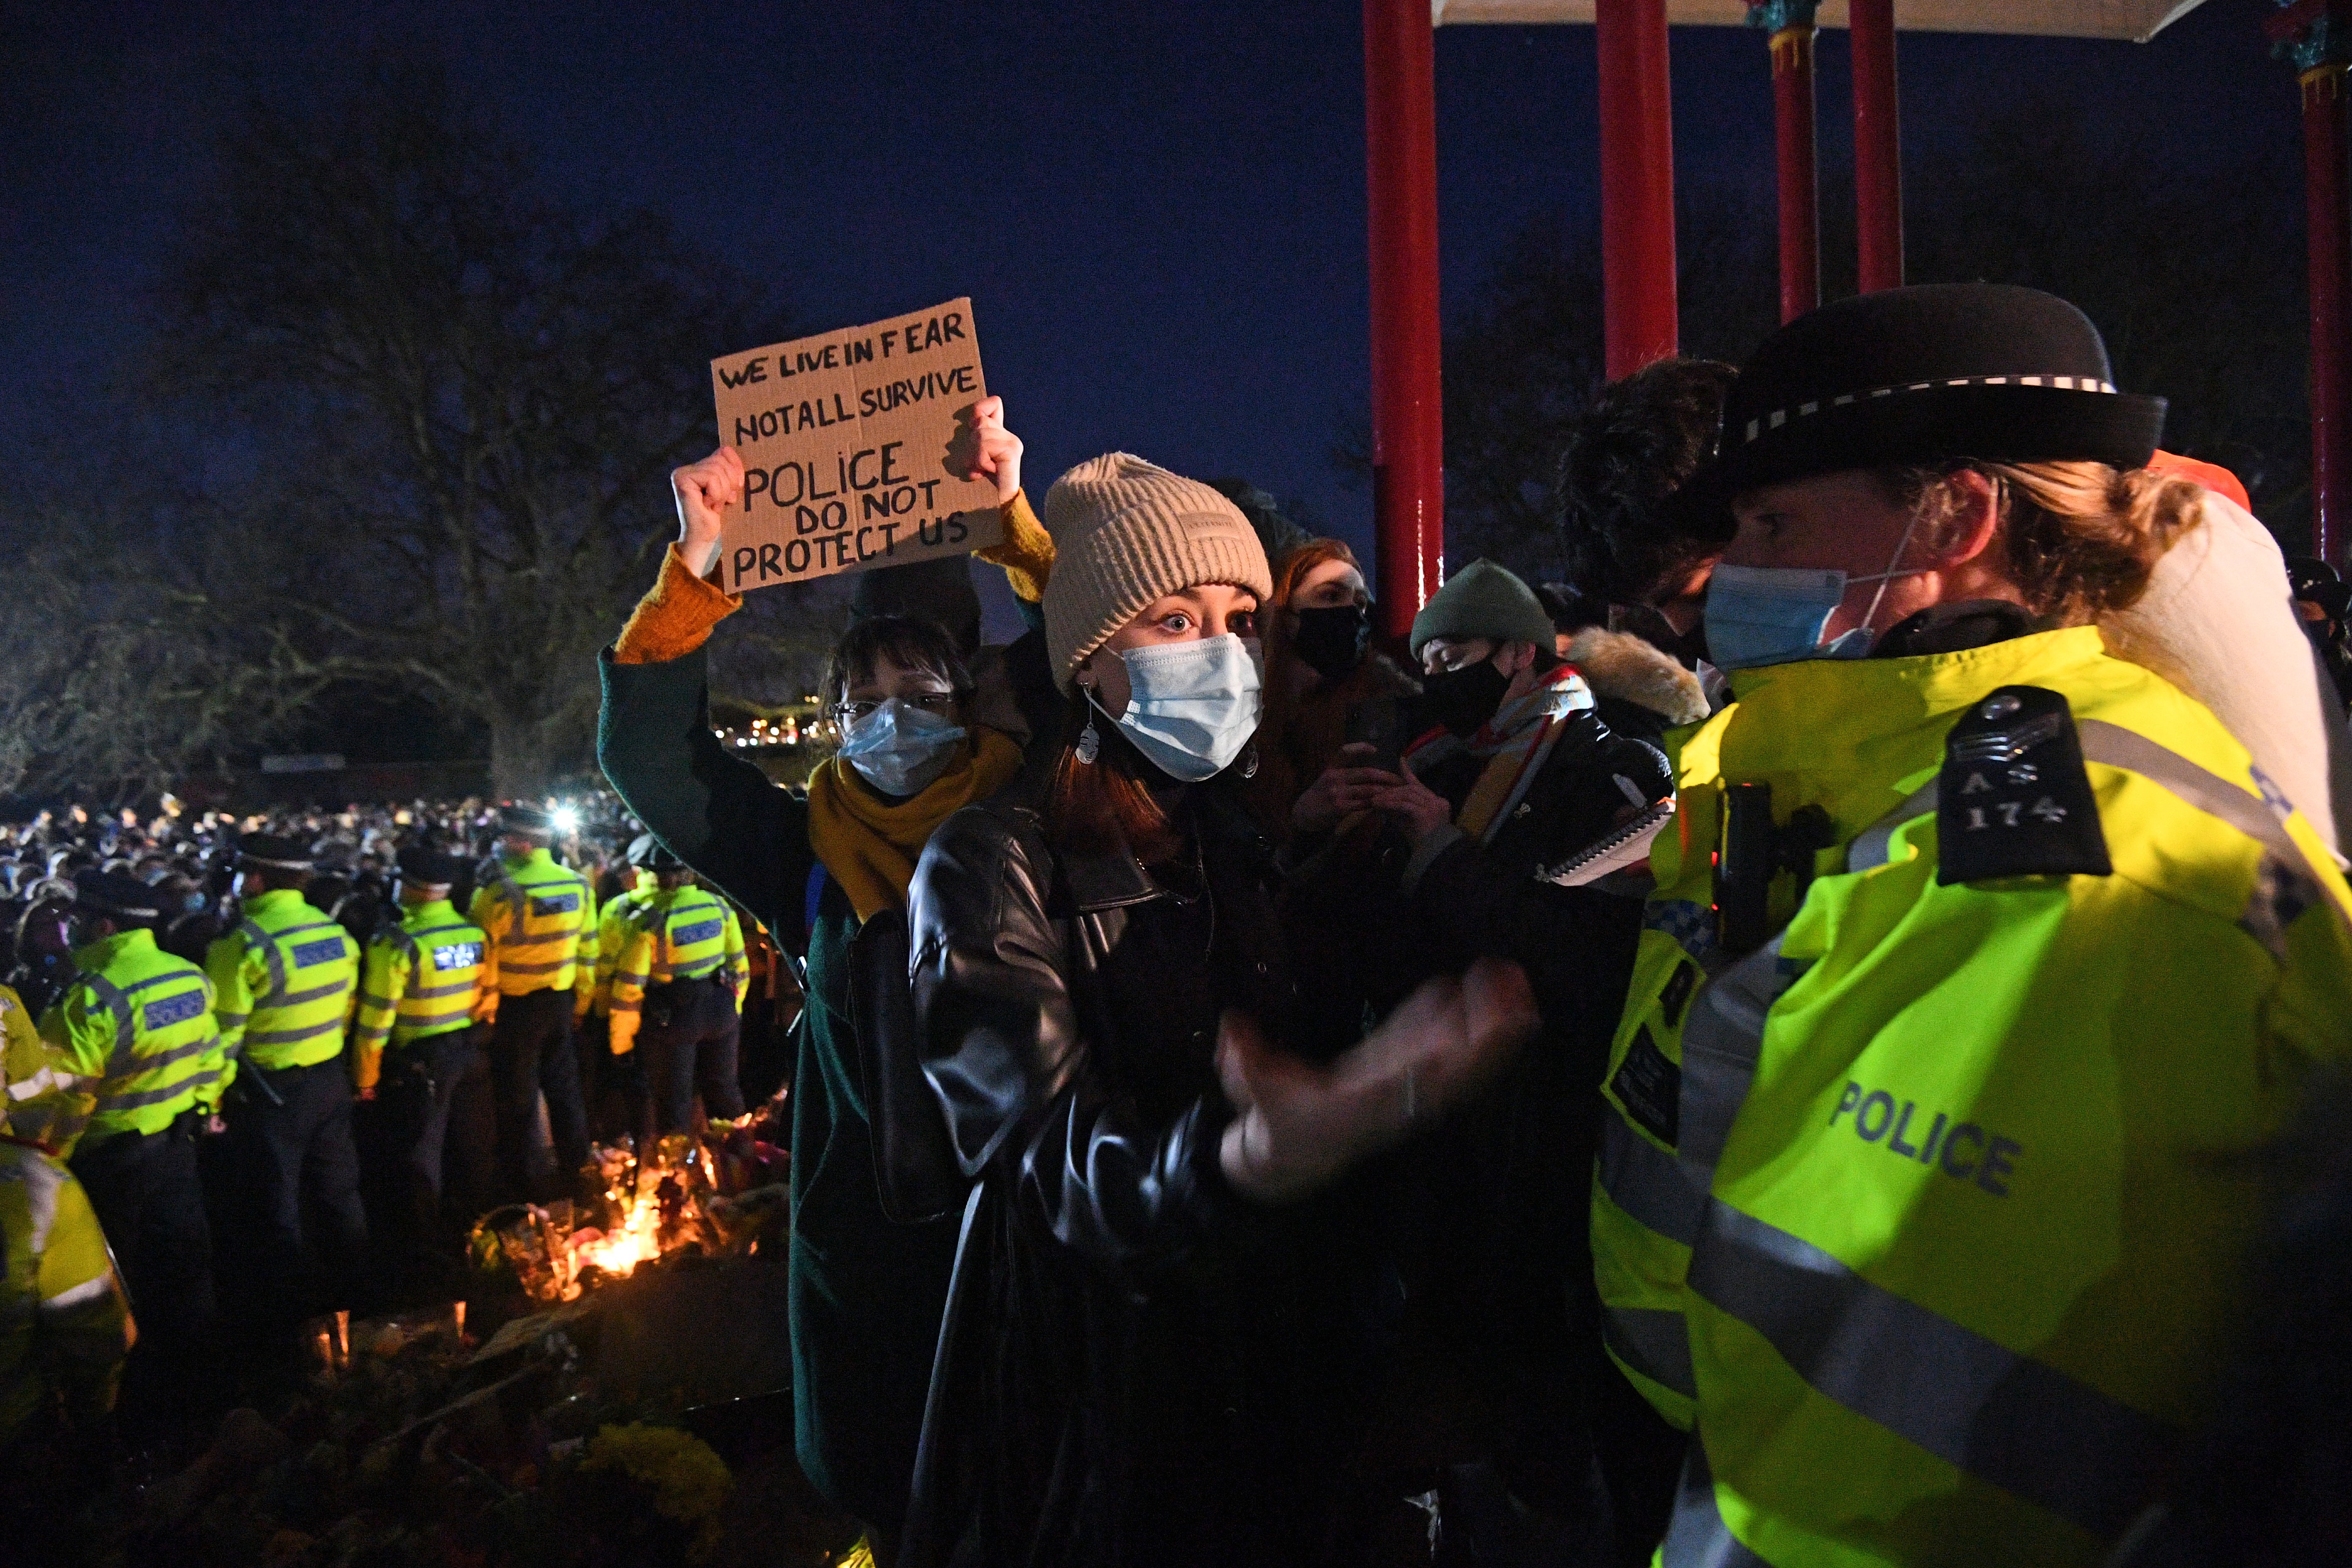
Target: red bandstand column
{"x": 1637, "y": 184}
{"x": 1790, "y": 25}
{"x": 1877, "y": 147}
{"x": 1408, "y": 423}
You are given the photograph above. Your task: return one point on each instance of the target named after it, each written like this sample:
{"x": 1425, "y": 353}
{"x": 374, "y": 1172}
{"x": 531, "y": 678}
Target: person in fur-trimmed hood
{"x": 1638, "y": 688}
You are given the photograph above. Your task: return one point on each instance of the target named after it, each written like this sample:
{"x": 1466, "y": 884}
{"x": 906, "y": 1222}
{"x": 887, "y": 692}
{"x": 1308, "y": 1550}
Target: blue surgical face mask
{"x": 901, "y": 749}
{"x": 1758, "y": 615}
{"x": 1191, "y": 706}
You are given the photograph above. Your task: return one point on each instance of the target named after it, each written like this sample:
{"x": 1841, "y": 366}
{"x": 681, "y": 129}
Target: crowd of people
{"x": 1785, "y": 1046}
{"x": 268, "y": 1067}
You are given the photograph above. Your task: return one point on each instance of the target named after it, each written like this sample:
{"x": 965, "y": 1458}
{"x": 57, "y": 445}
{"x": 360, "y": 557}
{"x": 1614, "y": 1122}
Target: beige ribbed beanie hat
{"x": 1127, "y": 532}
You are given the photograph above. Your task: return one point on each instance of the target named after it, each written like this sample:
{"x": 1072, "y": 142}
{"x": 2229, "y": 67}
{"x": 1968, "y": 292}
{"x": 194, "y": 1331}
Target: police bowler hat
{"x": 423, "y": 868}
{"x": 528, "y": 820}
{"x": 1940, "y": 372}
{"x": 116, "y": 896}
{"x": 650, "y": 854}
{"x": 274, "y": 851}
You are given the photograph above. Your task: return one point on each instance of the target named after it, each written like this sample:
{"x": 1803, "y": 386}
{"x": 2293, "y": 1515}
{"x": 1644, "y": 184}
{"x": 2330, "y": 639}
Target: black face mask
{"x": 1464, "y": 699}
{"x": 1331, "y": 641}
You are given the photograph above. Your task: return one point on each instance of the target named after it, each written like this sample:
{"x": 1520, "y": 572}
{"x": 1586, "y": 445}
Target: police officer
{"x": 65, "y": 1320}
{"x": 1979, "y": 966}
{"x": 678, "y": 991}
{"x": 623, "y": 1075}
{"x": 284, "y": 979}
{"x": 540, "y": 919}
{"x": 137, "y": 1025}
{"x": 425, "y": 993}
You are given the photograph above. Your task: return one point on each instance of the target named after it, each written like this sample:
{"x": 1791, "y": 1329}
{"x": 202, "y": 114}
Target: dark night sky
{"x": 1158, "y": 209}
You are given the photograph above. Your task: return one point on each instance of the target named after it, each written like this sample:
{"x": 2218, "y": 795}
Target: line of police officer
{"x": 454, "y": 1027}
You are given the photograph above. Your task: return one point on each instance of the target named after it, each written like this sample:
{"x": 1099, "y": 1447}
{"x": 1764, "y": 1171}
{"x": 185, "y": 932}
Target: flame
{"x": 620, "y": 1251}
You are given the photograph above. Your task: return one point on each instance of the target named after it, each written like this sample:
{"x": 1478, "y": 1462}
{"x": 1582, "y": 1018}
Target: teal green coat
{"x": 864, "y": 1295}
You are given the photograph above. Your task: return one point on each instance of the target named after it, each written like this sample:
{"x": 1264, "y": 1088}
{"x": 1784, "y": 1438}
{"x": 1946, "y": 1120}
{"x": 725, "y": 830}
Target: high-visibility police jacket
{"x": 283, "y": 983}
{"x": 138, "y": 1022}
{"x": 1950, "y": 1183}
{"x": 611, "y": 933}
{"x": 65, "y": 1321}
{"x": 45, "y": 1102}
{"x": 542, "y": 918}
{"x": 684, "y": 933}
{"x": 430, "y": 975}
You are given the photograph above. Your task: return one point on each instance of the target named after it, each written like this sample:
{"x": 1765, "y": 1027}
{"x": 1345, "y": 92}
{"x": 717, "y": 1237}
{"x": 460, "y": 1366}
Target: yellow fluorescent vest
{"x": 689, "y": 933}
{"x": 282, "y": 985}
{"x": 611, "y": 933}
{"x": 430, "y": 975}
{"x": 137, "y": 1023}
{"x": 540, "y": 917}
{"x": 1951, "y": 1195}
{"x": 47, "y": 1102}
{"x": 65, "y": 1322}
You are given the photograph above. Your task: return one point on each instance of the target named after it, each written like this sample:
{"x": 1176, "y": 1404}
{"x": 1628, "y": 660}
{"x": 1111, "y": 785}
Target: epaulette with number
{"x": 2014, "y": 799}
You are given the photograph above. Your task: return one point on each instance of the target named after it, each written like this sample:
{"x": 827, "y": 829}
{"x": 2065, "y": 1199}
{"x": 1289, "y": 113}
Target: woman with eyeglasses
{"x": 870, "y": 1259}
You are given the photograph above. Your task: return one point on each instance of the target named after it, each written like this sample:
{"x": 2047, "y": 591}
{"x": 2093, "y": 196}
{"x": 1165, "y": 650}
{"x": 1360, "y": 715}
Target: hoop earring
{"x": 1249, "y": 762}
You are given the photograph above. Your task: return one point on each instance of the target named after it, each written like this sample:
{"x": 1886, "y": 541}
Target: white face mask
{"x": 1193, "y": 706}
{"x": 900, "y": 748}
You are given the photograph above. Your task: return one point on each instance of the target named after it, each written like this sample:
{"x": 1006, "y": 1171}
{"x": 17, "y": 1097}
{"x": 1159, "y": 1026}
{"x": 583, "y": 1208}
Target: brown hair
{"x": 1094, "y": 807}
{"x": 2082, "y": 538}
{"x": 1295, "y": 566}
{"x": 910, "y": 642}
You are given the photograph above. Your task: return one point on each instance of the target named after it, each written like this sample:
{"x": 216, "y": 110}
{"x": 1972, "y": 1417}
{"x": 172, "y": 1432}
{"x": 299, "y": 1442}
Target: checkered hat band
{"x": 1781, "y": 417}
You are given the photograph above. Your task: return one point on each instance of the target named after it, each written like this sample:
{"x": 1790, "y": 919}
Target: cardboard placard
{"x": 856, "y": 444}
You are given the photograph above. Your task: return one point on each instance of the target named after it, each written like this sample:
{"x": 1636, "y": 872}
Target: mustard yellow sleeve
{"x": 1027, "y": 551}
{"x": 676, "y": 615}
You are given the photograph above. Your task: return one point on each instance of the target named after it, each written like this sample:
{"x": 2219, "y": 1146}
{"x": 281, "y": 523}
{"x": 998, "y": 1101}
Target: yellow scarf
{"x": 870, "y": 844}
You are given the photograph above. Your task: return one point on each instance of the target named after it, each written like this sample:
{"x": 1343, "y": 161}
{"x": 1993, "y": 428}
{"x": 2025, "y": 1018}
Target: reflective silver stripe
{"x": 316, "y": 994}
{"x": 143, "y": 1065}
{"x": 2285, "y": 885}
{"x": 1873, "y": 844}
{"x": 2008, "y": 1420}
{"x": 188, "y": 1086}
{"x": 136, "y": 986}
{"x": 1655, "y": 1343}
{"x": 628, "y": 980}
{"x": 2209, "y": 793}
{"x": 1647, "y": 1183}
{"x": 370, "y": 999}
{"x": 257, "y": 937}
{"x": 294, "y": 1036}
{"x": 117, "y": 1006}
{"x": 230, "y": 1020}
{"x": 462, "y": 988}
{"x": 505, "y": 968}
{"x": 88, "y": 1290}
{"x": 1697, "y": 1537}
{"x": 1722, "y": 1037}
{"x": 543, "y": 940}
{"x": 416, "y": 936}
{"x": 621, "y": 1006}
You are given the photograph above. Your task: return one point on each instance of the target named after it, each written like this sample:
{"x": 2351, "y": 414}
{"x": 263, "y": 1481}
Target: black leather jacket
{"x": 1119, "y": 1377}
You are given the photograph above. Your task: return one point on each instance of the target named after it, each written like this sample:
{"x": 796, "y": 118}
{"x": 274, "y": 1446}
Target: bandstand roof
{"x": 2137, "y": 20}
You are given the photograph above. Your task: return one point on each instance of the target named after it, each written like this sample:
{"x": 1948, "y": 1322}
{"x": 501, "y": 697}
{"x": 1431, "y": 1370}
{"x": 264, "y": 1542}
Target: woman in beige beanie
{"x": 1139, "y": 1361}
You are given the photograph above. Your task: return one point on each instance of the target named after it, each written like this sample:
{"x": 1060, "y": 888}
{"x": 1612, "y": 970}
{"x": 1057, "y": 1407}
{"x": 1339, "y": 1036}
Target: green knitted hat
{"x": 1483, "y": 600}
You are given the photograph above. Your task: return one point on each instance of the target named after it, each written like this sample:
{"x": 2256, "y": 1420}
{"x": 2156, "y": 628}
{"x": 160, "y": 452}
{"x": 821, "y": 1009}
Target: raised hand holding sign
{"x": 866, "y": 446}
